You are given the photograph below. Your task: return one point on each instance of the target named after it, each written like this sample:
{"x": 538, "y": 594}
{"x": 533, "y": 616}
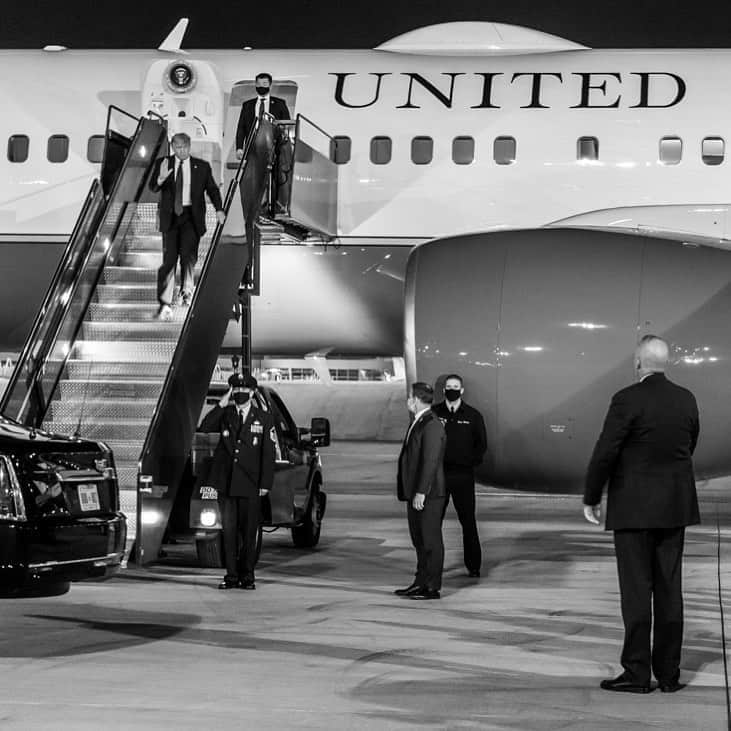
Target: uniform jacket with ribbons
{"x": 645, "y": 453}
{"x": 243, "y": 462}
{"x": 201, "y": 179}
{"x": 420, "y": 464}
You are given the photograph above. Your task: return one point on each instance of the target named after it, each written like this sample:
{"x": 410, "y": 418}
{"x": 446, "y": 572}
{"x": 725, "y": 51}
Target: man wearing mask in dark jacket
{"x": 466, "y": 445}
{"x": 242, "y": 471}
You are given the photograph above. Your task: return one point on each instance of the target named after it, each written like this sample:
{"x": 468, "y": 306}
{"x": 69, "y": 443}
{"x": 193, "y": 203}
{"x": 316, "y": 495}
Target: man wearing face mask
{"x": 466, "y": 445}
{"x": 242, "y": 471}
{"x": 252, "y": 109}
{"x": 262, "y": 104}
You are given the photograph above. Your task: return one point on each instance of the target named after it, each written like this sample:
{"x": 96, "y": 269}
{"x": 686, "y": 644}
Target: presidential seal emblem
{"x": 180, "y": 77}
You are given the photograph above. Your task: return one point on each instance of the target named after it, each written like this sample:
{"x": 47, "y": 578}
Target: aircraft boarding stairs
{"x": 97, "y": 364}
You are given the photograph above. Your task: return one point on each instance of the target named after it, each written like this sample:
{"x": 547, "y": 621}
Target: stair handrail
{"x": 109, "y": 252}
{"x": 39, "y": 364}
{"x": 63, "y": 266}
{"x": 215, "y": 238}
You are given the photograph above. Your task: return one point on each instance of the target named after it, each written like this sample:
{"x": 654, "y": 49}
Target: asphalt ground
{"x": 324, "y": 644}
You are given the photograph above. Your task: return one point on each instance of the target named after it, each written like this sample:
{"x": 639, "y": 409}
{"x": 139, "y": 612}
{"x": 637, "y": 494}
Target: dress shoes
{"x": 425, "y": 593}
{"x": 164, "y": 313}
{"x": 673, "y": 687}
{"x": 409, "y": 590}
{"x": 623, "y": 684}
{"x": 228, "y": 584}
{"x": 247, "y": 584}
{"x": 474, "y": 573}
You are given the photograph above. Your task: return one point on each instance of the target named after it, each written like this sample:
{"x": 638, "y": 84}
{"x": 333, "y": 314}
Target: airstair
{"x": 97, "y": 364}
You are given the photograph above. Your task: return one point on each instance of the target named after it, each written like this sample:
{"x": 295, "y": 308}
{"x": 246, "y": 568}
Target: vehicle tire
{"x": 210, "y": 551}
{"x": 307, "y": 535}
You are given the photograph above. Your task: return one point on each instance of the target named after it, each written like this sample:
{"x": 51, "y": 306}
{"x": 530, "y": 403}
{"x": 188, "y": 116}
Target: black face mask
{"x": 262, "y": 90}
{"x": 452, "y": 394}
{"x": 240, "y": 397}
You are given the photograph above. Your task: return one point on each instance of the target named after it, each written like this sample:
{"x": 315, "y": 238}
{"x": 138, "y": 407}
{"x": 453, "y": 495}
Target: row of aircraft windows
{"x": 713, "y": 149}
{"x": 670, "y": 152}
{"x": 57, "y": 148}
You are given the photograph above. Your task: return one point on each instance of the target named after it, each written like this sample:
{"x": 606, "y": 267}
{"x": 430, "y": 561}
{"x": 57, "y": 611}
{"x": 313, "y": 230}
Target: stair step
{"x": 129, "y": 312}
{"x": 127, "y": 479}
{"x": 111, "y": 429}
{"x": 113, "y": 370}
{"x": 126, "y": 351}
{"x": 132, "y": 276}
{"x": 125, "y": 331}
{"x": 110, "y": 389}
{"x": 125, "y": 452}
{"x": 132, "y": 293}
{"x": 93, "y": 411}
{"x": 143, "y": 259}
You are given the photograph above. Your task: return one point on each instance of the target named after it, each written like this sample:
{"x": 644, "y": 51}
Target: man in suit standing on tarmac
{"x": 420, "y": 483}
{"x": 645, "y": 452}
{"x": 242, "y": 472}
{"x": 181, "y": 181}
{"x": 466, "y": 445}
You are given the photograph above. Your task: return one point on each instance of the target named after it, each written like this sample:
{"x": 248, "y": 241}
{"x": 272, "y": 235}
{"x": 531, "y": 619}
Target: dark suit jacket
{"x": 420, "y": 467}
{"x": 645, "y": 452}
{"x": 243, "y": 462}
{"x": 201, "y": 179}
{"x": 277, "y": 108}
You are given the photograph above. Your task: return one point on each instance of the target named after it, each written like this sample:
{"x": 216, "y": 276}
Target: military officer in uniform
{"x": 466, "y": 445}
{"x": 242, "y": 471}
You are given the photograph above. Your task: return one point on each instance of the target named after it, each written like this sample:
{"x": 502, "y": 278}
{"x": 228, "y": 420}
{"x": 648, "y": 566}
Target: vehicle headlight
{"x": 208, "y": 518}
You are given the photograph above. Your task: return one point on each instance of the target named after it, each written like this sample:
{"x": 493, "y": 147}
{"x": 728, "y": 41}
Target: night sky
{"x": 362, "y": 24}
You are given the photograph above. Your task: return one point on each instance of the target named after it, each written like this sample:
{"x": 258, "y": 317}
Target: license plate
{"x": 89, "y": 498}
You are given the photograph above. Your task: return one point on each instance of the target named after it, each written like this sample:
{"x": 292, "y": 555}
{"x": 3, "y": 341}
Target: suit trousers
{"x": 240, "y": 518}
{"x": 461, "y": 488}
{"x": 425, "y": 527}
{"x": 650, "y": 564}
{"x": 179, "y": 242}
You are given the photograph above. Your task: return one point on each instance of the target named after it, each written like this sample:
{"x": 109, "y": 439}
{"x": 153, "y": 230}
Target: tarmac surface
{"x": 324, "y": 644}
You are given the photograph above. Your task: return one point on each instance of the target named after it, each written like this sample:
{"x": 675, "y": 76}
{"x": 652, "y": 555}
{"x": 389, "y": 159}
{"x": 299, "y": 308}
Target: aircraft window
{"x": 422, "y": 150}
{"x": 381, "y": 150}
{"x": 463, "y": 150}
{"x": 713, "y": 150}
{"x": 18, "y": 148}
{"x": 587, "y": 148}
{"x": 95, "y": 148}
{"x": 671, "y": 150}
{"x": 58, "y": 148}
{"x": 503, "y": 150}
{"x": 340, "y": 150}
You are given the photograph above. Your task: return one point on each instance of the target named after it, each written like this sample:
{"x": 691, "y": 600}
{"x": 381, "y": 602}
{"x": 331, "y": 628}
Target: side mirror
{"x": 320, "y": 431}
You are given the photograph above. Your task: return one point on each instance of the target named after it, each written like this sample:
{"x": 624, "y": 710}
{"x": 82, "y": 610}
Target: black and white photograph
{"x": 365, "y": 365}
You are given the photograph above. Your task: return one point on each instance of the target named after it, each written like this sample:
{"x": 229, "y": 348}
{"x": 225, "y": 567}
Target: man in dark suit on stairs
{"x": 181, "y": 181}
{"x": 645, "y": 453}
{"x": 420, "y": 483}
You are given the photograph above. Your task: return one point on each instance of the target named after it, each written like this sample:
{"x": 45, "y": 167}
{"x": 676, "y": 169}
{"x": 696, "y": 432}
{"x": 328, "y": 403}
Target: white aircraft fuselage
{"x": 627, "y": 100}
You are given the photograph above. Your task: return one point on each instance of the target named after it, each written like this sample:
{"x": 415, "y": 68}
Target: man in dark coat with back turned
{"x": 645, "y": 452}
{"x": 420, "y": 483}
{"x": 242, "y": 472}
{"x": 181, "y": 181}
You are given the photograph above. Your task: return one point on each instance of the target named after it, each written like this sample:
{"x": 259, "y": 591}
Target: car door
{"x": 292, "y": 465}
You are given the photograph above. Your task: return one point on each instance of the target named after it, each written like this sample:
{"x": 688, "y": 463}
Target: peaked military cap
{"x": 237, "y": 380}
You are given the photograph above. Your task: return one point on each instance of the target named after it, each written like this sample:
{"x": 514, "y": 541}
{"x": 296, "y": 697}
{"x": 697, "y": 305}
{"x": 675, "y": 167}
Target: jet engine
{"x": 542, "y": 325}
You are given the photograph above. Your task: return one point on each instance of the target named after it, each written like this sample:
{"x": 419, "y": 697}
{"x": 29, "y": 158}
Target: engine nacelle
{"x": 542, "y": 325}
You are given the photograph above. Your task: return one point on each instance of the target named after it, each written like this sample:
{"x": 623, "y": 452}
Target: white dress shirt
{"x": 417, "y": 416}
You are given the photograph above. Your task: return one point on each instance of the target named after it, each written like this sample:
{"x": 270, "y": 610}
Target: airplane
{"x": 545, "y": 203}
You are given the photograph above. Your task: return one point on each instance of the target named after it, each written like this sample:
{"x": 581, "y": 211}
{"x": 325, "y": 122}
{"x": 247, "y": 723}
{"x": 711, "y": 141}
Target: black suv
{"x": 59, "y": 511}
{"x": 296, "y": 501}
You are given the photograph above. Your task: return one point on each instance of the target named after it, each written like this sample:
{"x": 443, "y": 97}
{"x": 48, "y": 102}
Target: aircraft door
{"x": 188, "y": 95}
